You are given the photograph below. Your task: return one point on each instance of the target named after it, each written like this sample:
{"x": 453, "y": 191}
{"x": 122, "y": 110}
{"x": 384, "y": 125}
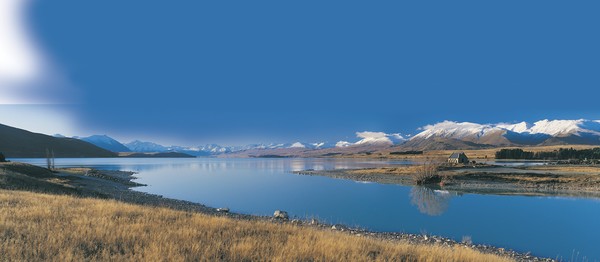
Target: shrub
{"x": 427, "y": 173}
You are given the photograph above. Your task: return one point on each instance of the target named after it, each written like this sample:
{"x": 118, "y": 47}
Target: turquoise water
{"x": 555, "y": 227}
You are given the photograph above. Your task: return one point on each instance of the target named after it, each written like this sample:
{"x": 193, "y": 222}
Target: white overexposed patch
{"x": 26, "y": 77}
{"x": 20, "y": 59}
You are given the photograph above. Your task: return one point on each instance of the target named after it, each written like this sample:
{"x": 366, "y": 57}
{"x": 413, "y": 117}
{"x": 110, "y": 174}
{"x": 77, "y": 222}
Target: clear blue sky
{"x": 243, "y": 71}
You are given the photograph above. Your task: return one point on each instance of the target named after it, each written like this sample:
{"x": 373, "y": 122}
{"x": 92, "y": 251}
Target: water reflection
{"x": 429, "y": 201}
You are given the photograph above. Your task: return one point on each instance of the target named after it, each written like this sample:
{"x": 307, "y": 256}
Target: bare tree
{"x": 427, "y": 173}
{"x": 48, "y": 163}
{"x": 428, "y": 201}
{"x": 52, "y": 155}
{"x": 50, "y": 159}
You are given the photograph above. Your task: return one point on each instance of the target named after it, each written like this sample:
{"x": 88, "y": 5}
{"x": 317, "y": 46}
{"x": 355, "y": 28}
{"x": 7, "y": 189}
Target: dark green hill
{"x": 15, "y": 142}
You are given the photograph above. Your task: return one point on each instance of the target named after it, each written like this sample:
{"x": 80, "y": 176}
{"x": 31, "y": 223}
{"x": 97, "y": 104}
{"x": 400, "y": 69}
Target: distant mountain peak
{"x": 297, "y": 145}
{"x": 145, "y": 147}
{"x": 343, "y": 144}
{"x": 369, "y": 137}
{"x": 105, "y": 142}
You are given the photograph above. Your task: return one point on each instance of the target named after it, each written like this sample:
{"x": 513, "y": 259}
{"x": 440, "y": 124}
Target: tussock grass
{"x": 36, "y": 227}
{"x": 404, "y": 170}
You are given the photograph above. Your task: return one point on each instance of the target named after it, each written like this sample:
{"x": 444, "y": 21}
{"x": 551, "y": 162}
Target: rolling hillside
{"x": 16, "y": 143}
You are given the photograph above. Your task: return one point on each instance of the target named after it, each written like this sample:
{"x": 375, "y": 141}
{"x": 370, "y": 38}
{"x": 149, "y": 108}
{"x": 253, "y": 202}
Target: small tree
{"x": 50, "y": 159}
{"x": 2, "y": 158}
{"x": 427, "y": 173}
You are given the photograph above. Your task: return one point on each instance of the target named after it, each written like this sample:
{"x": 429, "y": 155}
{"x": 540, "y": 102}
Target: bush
{"x": 427, "y": 173}
{"x": 2, "y": 158}
{"x": 560, "y": 154}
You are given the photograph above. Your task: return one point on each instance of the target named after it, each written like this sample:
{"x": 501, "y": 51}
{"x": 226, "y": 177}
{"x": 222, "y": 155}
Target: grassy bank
{"x": 37, "y": 226}
{"x": 567, "y": 180}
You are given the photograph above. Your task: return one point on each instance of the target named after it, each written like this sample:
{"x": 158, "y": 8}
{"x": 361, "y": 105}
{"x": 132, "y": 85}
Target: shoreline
{"x": 545, "y": 180}
{"x": 116, "y": 185}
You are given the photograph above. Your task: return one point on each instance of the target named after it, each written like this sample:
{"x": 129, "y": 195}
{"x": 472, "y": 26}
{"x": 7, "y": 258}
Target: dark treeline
{"x": 406, "y": 153}
{"x": 560, "y": 154}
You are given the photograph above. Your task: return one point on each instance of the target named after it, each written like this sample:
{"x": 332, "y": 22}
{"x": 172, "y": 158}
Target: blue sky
{"x": 235, "y": 72}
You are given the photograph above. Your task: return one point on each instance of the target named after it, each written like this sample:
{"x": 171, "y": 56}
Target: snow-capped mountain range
{"x": 145, "y": 147}
{"x": 543, "y": 132}
{"x": 545, "y": 127}
{"x": 443, "y": 135}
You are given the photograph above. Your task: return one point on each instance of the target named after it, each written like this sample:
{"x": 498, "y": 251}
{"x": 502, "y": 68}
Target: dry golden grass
{"x": 573, "y": 169}
{"x": 396, "y": 170}
{"x": 36, "y": 227}
{"x": 518, "y": 178}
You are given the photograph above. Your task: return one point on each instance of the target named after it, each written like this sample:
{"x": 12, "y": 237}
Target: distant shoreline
{"x": 564, "y": 180}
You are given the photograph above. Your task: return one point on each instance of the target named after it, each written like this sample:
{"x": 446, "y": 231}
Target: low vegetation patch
{"x": 40, "y": 227}
{"x": 427, "y": 173}
{"x": 410, "y": 152}
{"x": 559, "y": 154}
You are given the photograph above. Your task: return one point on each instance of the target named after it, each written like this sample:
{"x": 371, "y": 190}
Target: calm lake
{"x": 555, "y": 227}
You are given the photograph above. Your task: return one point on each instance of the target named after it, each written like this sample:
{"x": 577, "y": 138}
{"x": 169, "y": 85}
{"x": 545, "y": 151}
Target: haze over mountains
{"x": 439, "y": 136}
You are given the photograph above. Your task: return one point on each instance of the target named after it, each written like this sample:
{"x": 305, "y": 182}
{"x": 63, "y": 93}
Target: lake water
{"x": 555, "y": 227}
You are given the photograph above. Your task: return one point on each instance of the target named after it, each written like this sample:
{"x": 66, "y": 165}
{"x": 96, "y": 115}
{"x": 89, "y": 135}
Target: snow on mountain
{"x": 343, "y": 144}
{"x": 548, "y": 127}
{"x": 456, "y": 130}
{"x": 569, "y": 131}
{"x": 215, "y": 149}
{"x": 565, "y": 127}
{"x": 318, "y": 145}
{"x": 368, "y": 137}
{"x": 322, "y": 145}
{"x": 106, "y": 142}
{"x": 373, "y": 138}
{"x": 297, "y": 145}
{"x": 145, "y": 147}
{"x": 517, "y": 128}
